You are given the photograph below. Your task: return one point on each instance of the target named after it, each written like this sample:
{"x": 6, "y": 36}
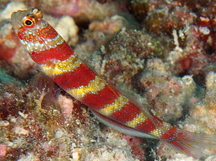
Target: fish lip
{"x": 16, "y": 18}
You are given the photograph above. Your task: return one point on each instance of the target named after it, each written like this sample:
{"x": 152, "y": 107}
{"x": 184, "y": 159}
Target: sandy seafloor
{"x": 162, "y": 54}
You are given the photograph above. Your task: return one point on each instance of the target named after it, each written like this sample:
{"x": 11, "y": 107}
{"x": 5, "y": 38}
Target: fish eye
{"x": 29, "y": 21}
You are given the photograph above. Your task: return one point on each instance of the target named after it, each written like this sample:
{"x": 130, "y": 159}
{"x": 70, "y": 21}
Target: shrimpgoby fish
{"x": 57, "y": 60}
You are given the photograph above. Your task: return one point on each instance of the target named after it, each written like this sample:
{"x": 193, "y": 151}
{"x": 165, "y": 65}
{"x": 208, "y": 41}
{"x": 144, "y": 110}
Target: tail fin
{"x": 193, "y": 144}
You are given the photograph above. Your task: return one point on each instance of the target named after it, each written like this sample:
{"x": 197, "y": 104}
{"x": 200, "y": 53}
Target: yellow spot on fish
{"x": 57, "y": 67}
{"x": 117, "y": 105}
{"x": 94, "y": 86}
{"x": 137, "y": 120}
{"x": 159, "y": 131}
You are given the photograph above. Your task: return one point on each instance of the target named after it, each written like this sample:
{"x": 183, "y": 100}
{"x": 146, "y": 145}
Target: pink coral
{"x": 66, "y": 104}
{"x": 82, "y": 10}
{"x": 161, "y": 88}
{"x": 136, "y": 146}
{"x": 8, "y": 41}
{"x": 3, "y": 150}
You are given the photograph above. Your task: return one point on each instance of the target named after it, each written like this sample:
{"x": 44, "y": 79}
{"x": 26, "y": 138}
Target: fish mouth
{"x": 16, "y": 18}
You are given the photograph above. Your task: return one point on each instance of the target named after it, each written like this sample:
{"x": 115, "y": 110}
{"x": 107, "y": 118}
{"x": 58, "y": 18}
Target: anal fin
{"x": 120, "y": 127}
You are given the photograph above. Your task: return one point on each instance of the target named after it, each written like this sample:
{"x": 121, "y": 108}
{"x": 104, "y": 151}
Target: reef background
{"x": 163, "y": 53}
